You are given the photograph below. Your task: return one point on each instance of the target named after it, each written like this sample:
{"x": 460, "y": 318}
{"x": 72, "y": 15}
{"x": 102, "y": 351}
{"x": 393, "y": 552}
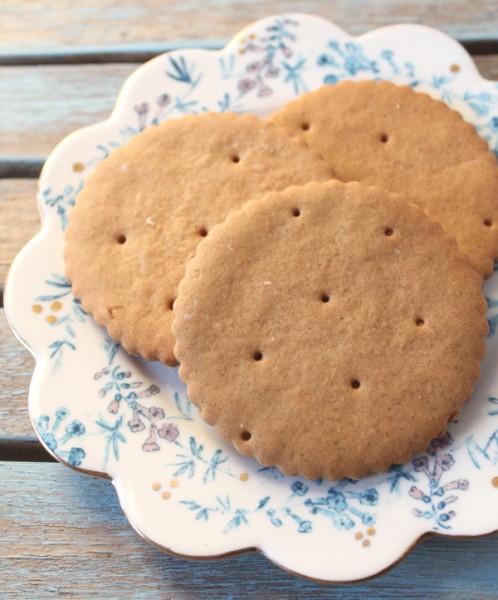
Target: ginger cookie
{"x": 329, "y": 330}
{"x": 141, "y": 214}
{"x": 406, "y": 142}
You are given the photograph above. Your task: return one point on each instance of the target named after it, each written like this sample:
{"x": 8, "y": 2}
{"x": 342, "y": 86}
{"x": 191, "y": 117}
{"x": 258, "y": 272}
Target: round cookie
{"x": 143, "y": 211}
{"x": 408, "y": 143}
{"x": 329, "y": 330}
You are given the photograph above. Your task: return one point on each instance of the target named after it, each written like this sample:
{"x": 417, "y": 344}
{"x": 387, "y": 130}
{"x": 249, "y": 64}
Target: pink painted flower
{"x": 254, "y": 67}
{"x": 168, "y": 432}
{"x": 140, "y": 410}
{"x": 420, "y": 463}
{"x": 246, "y": 85}
{"x": 155, "y": 413}
{"x": 136, "y": 425}
{"x": 287, "y": 52}
{"x": 446, "y": 461}
{"x": 272, "y": 71}
{"x": 152, "y": 390}
{"x": 442, "y": 442}
{"x": 113, "y": 407}
{"x": 150, "y": 446}
{"x": 141, "y": 109}
{"x": 264, "y": 90}
{"x": 163, "y": 100}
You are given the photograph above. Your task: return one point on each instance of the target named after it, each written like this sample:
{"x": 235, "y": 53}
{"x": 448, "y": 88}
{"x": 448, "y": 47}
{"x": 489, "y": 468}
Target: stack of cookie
{"x": 322, "y": 295}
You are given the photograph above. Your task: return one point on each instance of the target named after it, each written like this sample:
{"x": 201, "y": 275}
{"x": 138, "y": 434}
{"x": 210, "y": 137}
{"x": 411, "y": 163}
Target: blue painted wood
{"x": 68, "y": 26}
{"x": 64, "y": 533}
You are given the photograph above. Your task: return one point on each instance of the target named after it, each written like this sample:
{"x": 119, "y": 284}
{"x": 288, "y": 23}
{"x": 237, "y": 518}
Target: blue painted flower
{"x": 61, "y": 413}
{"x": 493, "y": 124}
{"x": 76, "y": 456}
{"x": 330, "y": 79}
{"x": 369, "y": 497}
{"x": 49, "y": 441}
{"x": 299, "y": 488}
{"x": 75, "y": 428}
{"x": 336, "y": 500}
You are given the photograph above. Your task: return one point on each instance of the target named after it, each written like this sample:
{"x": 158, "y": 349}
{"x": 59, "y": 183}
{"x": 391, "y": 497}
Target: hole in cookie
{"x": 305, "y": 126}
{"x": 257, "y": 355}
{"x": 384, "y": 137}
{"x": 324, "y": 298}
{"x": 488, "y": 222}
{"x": 245, "y": 435}
{"x": 296, "y": 212}
{"x": 202, "y": 231}
{"x": 235, "y": 158}
{"x": 121, "y": 239}
{"x": 170, "y": 303}
{"x": 419, "y": 322}
{"x": 355, "y": 384}
{"x": 388, "y": 231}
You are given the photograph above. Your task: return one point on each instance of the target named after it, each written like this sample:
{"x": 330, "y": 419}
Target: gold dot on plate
{"x": 244, "y": 476}
{"x": 252, "y": 36}
{"x": 174, "y": 483}
{"x": 494, "y": 482}
{"x": 156, "y": 486}
{"x": 365, "y": 543}
{"x": 242, "y": 40}
{"x": 37, "y": 308}
{"x": 56, "y": 305}
{"x": 358, "y": 535}
{"x": 454, "y": 68}
{"x": 166, "y": 495}
{"x": 78, "y": 167}
{"x": 242, "y": 51}
{"x": 51, "y": 319}
{"x": 371, "y": 531}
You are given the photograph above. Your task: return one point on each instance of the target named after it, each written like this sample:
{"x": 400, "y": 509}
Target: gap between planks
{"x": 23, "y": 449}
{"x": 140, "y": 53}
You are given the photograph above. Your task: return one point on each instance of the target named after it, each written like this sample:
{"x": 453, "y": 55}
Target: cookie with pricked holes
{"x": 406, "y": 142}
{"x": 141, "y": 214}
{"x": 329, "y": 330}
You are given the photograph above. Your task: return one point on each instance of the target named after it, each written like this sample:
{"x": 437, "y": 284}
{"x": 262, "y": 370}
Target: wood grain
{"x": 63, "y": 533}
{"x": 16, "y": 369}
{"x": 60, "y": 528}
{"x": 19, "y": 219}
{"x": 23, "y": 449}
{"x": 57, "y": 25}
{"x": 41, "y": 105}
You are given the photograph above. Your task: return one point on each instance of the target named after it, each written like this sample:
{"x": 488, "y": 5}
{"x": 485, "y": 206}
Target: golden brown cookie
{"x": 329, "y": 330}
{"x": 142, "y": 213}
{"x": 406, "y": 142}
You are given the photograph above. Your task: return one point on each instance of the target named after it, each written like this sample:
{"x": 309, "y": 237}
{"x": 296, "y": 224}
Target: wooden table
{"x": 63, "y": 533}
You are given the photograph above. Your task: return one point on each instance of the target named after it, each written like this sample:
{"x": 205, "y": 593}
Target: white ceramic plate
{"x": 100, "y": 410}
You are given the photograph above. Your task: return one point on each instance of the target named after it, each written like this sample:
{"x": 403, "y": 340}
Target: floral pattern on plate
{"x": 102, "y": 411}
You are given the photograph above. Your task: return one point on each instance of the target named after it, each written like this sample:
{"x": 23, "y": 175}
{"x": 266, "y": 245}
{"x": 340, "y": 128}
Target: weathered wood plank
{"x": 488, "y": 66}
{"x": 56, "y": 100}
{"x": 19, "y": 219}
{"x": 16, "y": 368}
{"x": 41, "y": 105}
{"x": 64, "y": 26}
{"x": 59, "y": 528}
{"x": 23, "y": 449}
